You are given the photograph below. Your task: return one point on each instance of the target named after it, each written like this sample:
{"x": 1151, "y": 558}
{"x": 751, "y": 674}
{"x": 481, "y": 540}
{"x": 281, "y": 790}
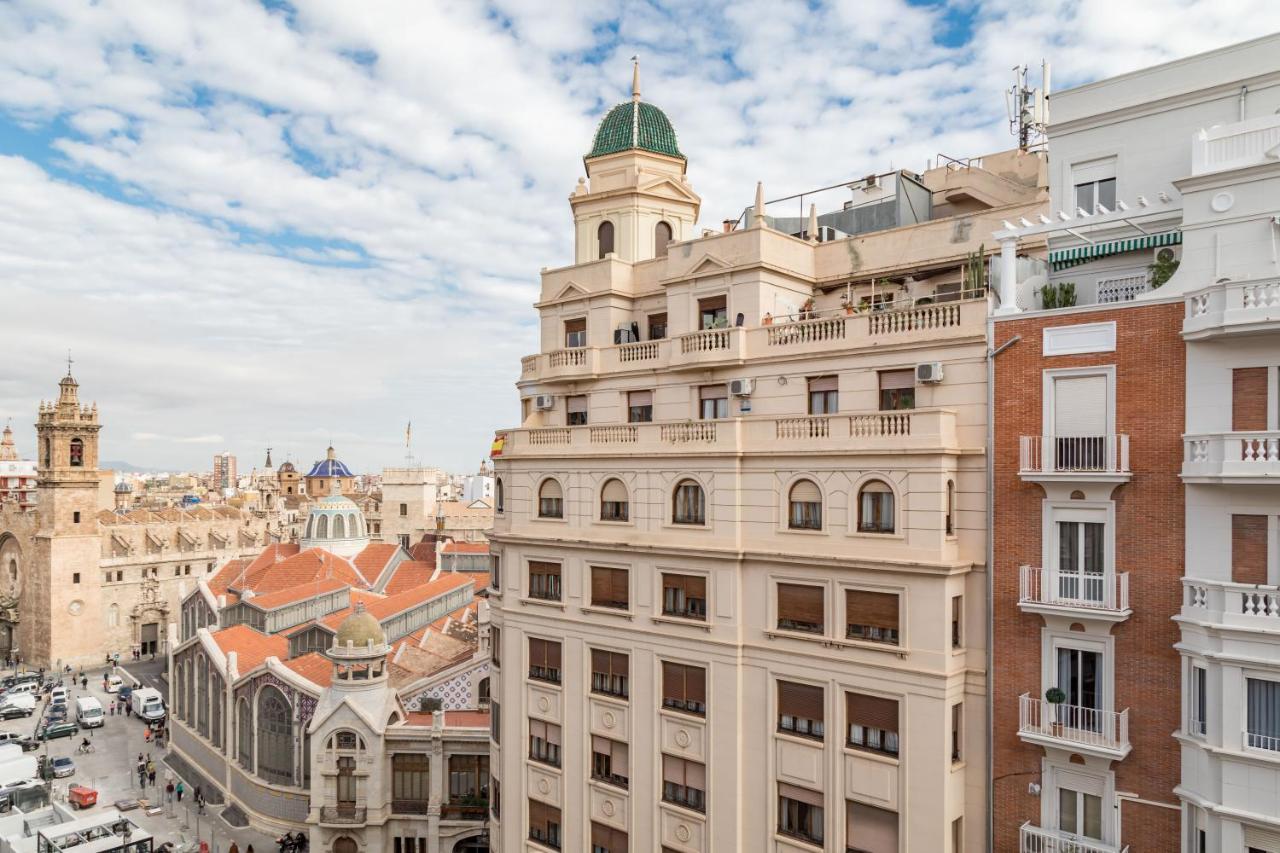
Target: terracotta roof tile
{"x": 314, "y": 667}
{"x": 374, "y": 558}
{"x": 301, "y": 592}
{"x": 407, "y": 575}
{"x": 466, "y": 548}
{"x": 383, "y": 608}
{"x": 251, "y": 647}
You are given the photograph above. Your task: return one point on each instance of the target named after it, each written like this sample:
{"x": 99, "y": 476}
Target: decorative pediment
{"x": 120, "y": 547}
{"x": 571, "y": 290}
{"x": 669, "y": 188}
{"x": 708, "y": 265}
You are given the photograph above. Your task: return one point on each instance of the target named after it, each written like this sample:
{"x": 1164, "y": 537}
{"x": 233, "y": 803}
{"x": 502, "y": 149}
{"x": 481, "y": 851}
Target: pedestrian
{"x": 249, "y": 849}
{"x": 84, "y": 682}
{"x": 151, "y": 776}
{"x": 234, "y": 848}
{"x": 112, "y": 706}
{"x": 168, "y": 792}
{"x": 146, "y": 735}
{"x": 181, "y": 791}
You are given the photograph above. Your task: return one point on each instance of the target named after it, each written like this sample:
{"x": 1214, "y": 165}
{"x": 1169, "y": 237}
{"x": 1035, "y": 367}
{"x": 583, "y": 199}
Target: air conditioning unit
{"x": 741, "y": 387}
{"x": 870, "y": 182}
{"x": 929, "y": 371}
{"x": 1166, "y": 254}
{"x": 544, "y": 402}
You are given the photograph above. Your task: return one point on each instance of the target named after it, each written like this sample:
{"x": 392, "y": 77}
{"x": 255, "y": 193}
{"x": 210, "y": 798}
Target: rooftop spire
{"x": 757, "y": 214}
{"x": 635, "y": 78}
{"x": 813, "y": 223}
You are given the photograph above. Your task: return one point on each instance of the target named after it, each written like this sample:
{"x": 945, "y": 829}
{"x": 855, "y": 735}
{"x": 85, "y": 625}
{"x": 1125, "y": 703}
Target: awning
{"x": 1065, "y": 258}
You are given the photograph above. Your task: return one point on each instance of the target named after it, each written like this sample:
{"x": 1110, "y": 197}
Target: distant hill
{"x": 125, "y": 468}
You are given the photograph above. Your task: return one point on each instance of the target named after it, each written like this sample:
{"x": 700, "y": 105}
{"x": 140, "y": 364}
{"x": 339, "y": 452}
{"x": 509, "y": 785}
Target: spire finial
{"x": 758, "y": 211}
{"x": 635, "y": 78}
{"x": 69, "y": 362}
{"x": 813, "y": 223}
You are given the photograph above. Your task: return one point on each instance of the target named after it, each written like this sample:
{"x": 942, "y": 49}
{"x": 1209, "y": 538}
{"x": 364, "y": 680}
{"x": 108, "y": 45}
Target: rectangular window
{"x": 873, "y": 830}
{"x": 1093, "y": 193}
{"x": 495, "y": 721}
{"x": 544, "y": 824}
{"x": 957, "y": 612}
{"x": 544, "y": 742}
{"x": 713, "y": 402}
{"x": 684, "y": 783}
{"x": 800, "y": 710}
{"x": 495, "y": 571}
{"x": 897, "y": 390}
{"x": 639, "y": 407}
{"x": 495, "y": 645}
{"x": 609, "y": 673}
{"x": 657, "y": 326}
{"x": 1263, "y": 714}
{"x": 800, "y": 813}
{"x": 544, "y": 580}
{"x": 606, "y": 839}
{"x": 824, "y": 398}
{"x": 1249, "y": 549}
{"x": 713, "y": 312}
{"x": 801, "y": 608}
{"x": 1249, "y": 399}
{"x": 957, "y": 835}
{"x": 75, "y": 517}
{"x": 871, "y": 616}
{"x": 576, "y": 409}
{"x": 609, "y": 761}
{"x": 410, "y": 782}
{"x": 609, "y": 588}
{"x": 495, "y": 797}
{"x": 544, "y": 660}
{"x": 404, "y": 510}
{"x": 468, "y": 778}
{"x": 1080, "y": 813}
{"x": 1081, "y": 560}
{"x": 684, "y": 596}
{"x": 75, "y": 578}
{"x": 872, "y": 722}
{"x": 1080, "y": 423}
{"x": 1199, "y": 704}
{"x": 957, "y": 732}
{"x": 684, "y": 688}
{"x": 575, "y": 333}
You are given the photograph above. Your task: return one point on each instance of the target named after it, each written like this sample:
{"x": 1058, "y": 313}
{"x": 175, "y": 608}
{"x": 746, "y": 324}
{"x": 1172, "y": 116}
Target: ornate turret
{"x": 8, "y": 451}
{"x": 359, "y": 651}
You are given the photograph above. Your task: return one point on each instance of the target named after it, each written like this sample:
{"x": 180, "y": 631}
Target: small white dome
{"x": 337, "y": 525}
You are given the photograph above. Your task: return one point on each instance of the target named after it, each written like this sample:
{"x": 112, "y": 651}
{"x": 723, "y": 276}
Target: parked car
{"x": 56, "y": 713}
{"x": 125, "y": 692}
{"x": 63, "y": 766}
{"x": 114, "y": 683}
{"x": 7, "y": 737}
{"x": 57, "y": 730}
{"x": 20, "y": 678}
{"x": 13, "y": 710}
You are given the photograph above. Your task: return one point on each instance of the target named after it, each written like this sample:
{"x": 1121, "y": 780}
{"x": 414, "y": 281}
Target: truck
{"x": 147, "y": 703}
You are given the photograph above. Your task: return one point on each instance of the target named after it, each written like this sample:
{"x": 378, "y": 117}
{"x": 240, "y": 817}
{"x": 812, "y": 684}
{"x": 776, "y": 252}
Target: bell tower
{"x": 67, "y": 462}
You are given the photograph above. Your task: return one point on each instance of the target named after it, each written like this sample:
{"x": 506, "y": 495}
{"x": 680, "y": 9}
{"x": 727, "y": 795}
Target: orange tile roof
{"x": 425, "y": 551}
{"x": 309, "y": 566}
{"x": 314, "y": 667}
{"x": 251, "y": 647}
{"x": 279, "y": 598}
{"x": 383, "y": 608}
{"x": 224, "y": 576}
{"x": 409, "y": 574}
{"x": 374, "y": 558}
{"x": 466, "y": 548}
{"x": 468, "y": 719}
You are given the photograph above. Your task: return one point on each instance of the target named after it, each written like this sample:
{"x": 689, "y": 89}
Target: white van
{"x": 58, "y": 696}
{"x": 26, "y": 688}
{"x": 147, "y": 703}
{"x": 89, "y": 712}
{"x": 25, "y": 701}
{"x": 114, "y": 683}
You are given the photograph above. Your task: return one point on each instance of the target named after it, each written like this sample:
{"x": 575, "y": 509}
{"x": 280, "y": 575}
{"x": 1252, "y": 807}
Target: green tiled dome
{"x": 635, "y": 124}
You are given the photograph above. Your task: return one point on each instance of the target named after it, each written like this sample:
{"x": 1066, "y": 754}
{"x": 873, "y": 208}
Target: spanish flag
{"x": 495, "y": 449}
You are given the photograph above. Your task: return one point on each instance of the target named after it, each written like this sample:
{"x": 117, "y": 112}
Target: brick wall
{"x": 1249, "y": 549}
{"x": 1249, "y": 399}
{"x": 1150, "y": 381}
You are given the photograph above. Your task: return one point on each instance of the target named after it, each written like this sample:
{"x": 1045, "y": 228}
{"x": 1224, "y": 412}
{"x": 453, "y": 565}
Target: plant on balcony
{"x": 1055, "y": 696}
{"x": 1061, "y": 295}
{"x": 1163, "y": 269}
{"x": 975, "y": 271}
{"x": 806, "y": 309}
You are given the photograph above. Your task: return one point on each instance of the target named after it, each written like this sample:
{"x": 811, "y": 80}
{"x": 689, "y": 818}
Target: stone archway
{"x": 12, "y": 568}
{"x": 474, "y": 844}
{"x": 149, "y": 620}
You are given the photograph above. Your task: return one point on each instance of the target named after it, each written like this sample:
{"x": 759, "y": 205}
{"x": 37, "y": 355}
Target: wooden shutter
{"x": 541, "y": 814}
{"x": 824, "y": 383}
{"x": 877, "y": 609}
{"x": 799, "y": 603}
{"x": 693, "y": 586}
{"x": 609, "y": 663}
{"x": 695, "y": 683}
{"x": 578, "y": 325}
{"x": 1249, "y": 399}
{"x": 616, "y": 750}
{"x": 872, "y": 711}
{"x": 801, "y": 795}
{"x": 1249, "y": 549}
{"x": 713, "y": 392}
{"x": 551, "y": 489}
{"x": 608, "y": 586}
{"x": 537, "y": 567}
{"x": 1080, "y": 405}
{"x": 713, "y": 303}
{"x": 608, "y": 838}
{"x": 673, "y": 682}
{"x": 872, "y": 829}
{"x": 806, "y": 492}
{"x": 614, "y": 490}
{"x": 575, "y": 405}
{"x": 800, "y": 700}
{"x": 896, "y": 380}
{"x": 640, "y": 398}
{"x": 544, "y": 653}
{"x": 538, "y": 729}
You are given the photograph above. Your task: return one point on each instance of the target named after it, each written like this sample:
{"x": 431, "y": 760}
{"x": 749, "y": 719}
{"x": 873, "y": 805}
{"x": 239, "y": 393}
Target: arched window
{"x": 191, "y": 692}
{"x": 113, "y": 613}
{"x": 202, "y": 695}
{"x": 180, "y": 698}
{"x": 13, "y": 571}
{"x": 345, "y": 845}
{"x": 345, "y": 741}
{"x": 661, "y": 237}
{"x": 48, "y": 453}
{"x": 613, "y": 501}
{"x": 322, "y": 527}
{"x": 244, "y": 734}
{"x": 498, "y": 495}
{"x": 604, "y": 235}
{"x": 951, "y": 507}
{"x": 482, "y": 692}
{"x": 550, "y": 499}
{"x": 690, "y": 504}
{"x": 352, "y": 530}
{"x": 875, "y": 508}
{"x": 311, "y": 522}
{"x": 275, "y": 737}
{"x": 215, "y": 710}
{"x": 77, "y": 453}
{"x": 805, "y": 511}
{"x": 339, "y": 527}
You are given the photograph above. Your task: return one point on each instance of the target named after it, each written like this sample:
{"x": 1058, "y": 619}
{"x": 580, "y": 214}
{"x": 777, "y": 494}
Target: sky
{"x": 266, "y": 224}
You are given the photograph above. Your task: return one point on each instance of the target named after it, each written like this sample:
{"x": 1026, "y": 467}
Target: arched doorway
{"x": 345, "y": 845}
{"x": 474, "y": 844}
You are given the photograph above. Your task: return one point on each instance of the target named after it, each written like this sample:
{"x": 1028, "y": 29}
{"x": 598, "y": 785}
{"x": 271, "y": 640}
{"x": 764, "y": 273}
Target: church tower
{"x": 67, "y": 466}
{"x": 636, "y": 198}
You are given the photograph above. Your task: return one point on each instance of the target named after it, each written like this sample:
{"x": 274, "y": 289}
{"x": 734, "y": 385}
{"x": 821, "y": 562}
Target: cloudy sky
{"x": 261, "y": 223}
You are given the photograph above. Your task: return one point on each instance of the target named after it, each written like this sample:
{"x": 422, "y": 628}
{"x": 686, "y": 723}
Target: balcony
{"x": 1074, "y": 458}
{"x": 1073, "y": 727}
{"x": 341, "y": 815}
{"x": 708, "y": 348}
{"x": 416, "y": 807}
{"x": 562, "y": 365}
{"x": 1231, "y": 605}
{"x": 1233, "y": 308}
{"x": 1033, "y": 839}
{"x": 474, "y": 811}
{"x": 916, "y": 430}
{"x": 1077, "y": 595}
{"x": 1232, "y": 457}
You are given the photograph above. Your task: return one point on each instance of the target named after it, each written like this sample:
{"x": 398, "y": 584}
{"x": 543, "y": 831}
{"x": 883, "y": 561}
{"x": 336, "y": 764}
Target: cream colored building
{"x": 739, "y": 544}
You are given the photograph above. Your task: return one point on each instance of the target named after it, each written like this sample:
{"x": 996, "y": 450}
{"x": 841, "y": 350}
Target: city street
{"x": 110, "y": 769}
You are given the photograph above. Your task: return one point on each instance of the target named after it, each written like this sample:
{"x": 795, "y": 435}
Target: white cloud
{"x": 332, "y": 222}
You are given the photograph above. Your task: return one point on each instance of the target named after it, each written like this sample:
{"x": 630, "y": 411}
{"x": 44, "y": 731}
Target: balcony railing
{"x": 1106, "y": 593}
{"x": 1233, "y": 307}
{"x": 464, "y": 811}
{"x": 1033, "y": 839}
{"x": 409, "y": 806}
{"x": 1228, "y": 604}
{"x": 1232, "y": 456}
{"x": 1079, "y": 727}
{"x": 1066, "y": 456}
{"x": 342, "y": 815}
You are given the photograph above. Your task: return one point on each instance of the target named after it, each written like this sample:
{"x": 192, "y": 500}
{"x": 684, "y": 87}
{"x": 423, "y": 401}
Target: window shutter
{"x": 640, "y": 398}
{"x": 802, "y": 795}
{"x": 806, "y": 491}
{"x": 578, "y": 325}
{"x": 713, "y": 303}
{"x": 799, "y": 603}
{"x": 673, "y": 769}
{"x": 875, "y": 829}
{"x": 538, "y": 729}
{"x": 537, "y": 567}
{"x": 576, "y": 404}
{"x": 673, "y": 681}
{"x": 614, "y": 491}
{"x": 607, "y": 838}
{"x": 800, "y": 700}
{"x": 553, "y": 734}
{"x": 896, "y": 380}
{"x": 695, "y": 775}
{"x": 621, "y": 762}
{"x": 695, "y": 682}
{"x": 1080, "y": 405}
{"x": 553, "y": 655}
{"x": 550, "y": 489}
{"x": 874, "y": 711}
{"x": 824, "y": 383}
{"x": 878, "y": 609}
{"x": 713, "y": 392}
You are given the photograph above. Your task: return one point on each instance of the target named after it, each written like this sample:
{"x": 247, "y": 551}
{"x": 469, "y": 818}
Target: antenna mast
{"x": 1028, "y": 108}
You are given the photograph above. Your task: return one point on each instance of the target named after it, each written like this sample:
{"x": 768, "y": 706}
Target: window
{"x": 113, "y": 616}
{"x": 957, "y": 835}
{"x": 544, "y": 660}
{"x": 604, "y": 236}
{"x": 609, "y": 673}
{"x": 690, "y": 504}
{"x": 544, "y": 823}
{"x": 613, "y": 501}
{"x": 639, "y": 407}
{"x": 468, "y": 778}
{"x": 544, "y": 580}
{"x": 800, "y": 710}
{"x": 576, "y": 409}
{"x": 684, "y": 596}
{"x": 957, "y": 732}
{"x": 244, "y": 733}
{"x": 499, "y": 495}
{"x": 1080, "y": 813}
{"x": 1081, "y": 559}
{"x": 661, "y": 237}
{"x": 713, "y": 313}
{"x": 609, "y": 761}
{"x": 75, "y": 517}
{"x": 495, "y": 797}
{"x": 76, "y": 453}
{"x": 801, "y": 608}
{"x": 657, "y": 326}
{"x": 75, "y": 577}
{"x": 275, "y": 737}
{"x": 713, "y": 402}
{"x": 495, "y": 571}
{"x": 871, "y": 616}
{"x": 495, "y": 644}
{"x": 1263, "y": 714}
{"x": 897, "y": 390}
{"x": 550, "y": 499}
{"x": 1079, "y": 676}
{"x": 873, "y": 723}
{"x": 1080, "y": 423}
{"x": 403, "y": 539}
{"x": 957, "y": 613}
{"x": 1199, "y": 704}
{"x": 951, "y": 508}
{"x": 404, "y": 510}
{"x": 824, "y": 399}
{"x": 800, "y": 813}
{"x": 346, "y": 782}
{"x": 544, "y": 742}
{"x": 869, "y": 829}
{"x": 495, "y": 721}
{"x": 1093, "y": 193}
{"x": 575, "y": 333}
{"x": 684, "y": 688}
{"x": 684, "y": 783}
{"x": 805, "y": 503}
{"x": 346, "y": 741}
{"x": 609, "y": 588}
{"x": 875, "y": 508}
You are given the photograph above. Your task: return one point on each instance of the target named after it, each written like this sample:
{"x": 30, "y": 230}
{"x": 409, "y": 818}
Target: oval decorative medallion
{"x": 75, "y": 607}
{"x": 608, "y": 808}
{"x": 608, "y": 720}
{"x": 1222, "y": 202}
{"x": 682, "y": 832}
{"x": 544, "y": 786}
{"x": 544, "y": 704}
{"x": 682, "y": 738}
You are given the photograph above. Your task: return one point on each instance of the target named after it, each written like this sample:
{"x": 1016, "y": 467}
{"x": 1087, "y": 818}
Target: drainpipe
{"x": 1244, "y": 95}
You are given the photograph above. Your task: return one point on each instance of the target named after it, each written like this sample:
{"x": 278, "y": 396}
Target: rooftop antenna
{"x": 408, "y": 437}
{"x": 1028, "y": 108}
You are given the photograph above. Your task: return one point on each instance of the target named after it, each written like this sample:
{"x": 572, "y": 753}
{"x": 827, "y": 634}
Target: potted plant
{"x": 1055, "y": 697}
{"x": 847, "y": 304}
{"x": 806, "y": 309}
{"x": 1062, "y": 295}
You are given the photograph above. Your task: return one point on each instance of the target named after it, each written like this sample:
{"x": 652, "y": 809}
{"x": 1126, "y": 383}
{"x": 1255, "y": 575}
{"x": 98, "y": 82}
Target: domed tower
{"x": 337, "y": 525}
{"x": 289, "y": 478}
{"x": 124, "y": 496}
{"x": 359, "y": 651}
{"x": 8, "y": 450}
{"x": 636, "y": 197}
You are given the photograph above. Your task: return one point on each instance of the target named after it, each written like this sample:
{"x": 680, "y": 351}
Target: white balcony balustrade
{"x": 1034, "y": 839}
{"x": 1083, "y": 729}
{"x": 1234, "y": 457}
{"x": 1231, "y": 605}
{"x": 1067, "y": 457}
{"x": 1081, "y": 594}
{"x": 1233, "y": 307}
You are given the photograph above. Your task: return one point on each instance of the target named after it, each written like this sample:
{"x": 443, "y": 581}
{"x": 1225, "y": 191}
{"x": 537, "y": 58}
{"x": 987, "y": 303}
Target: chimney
{"x": 730, "y": 225}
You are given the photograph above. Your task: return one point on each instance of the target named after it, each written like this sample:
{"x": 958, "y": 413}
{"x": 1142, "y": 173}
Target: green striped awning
{"x": 1064, "y": 258}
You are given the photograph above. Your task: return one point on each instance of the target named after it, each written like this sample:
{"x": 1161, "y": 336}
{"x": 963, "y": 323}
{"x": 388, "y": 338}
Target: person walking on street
{"x": 84, "y": 681}
{"x": 146, "y": 735}
{"x": 249, "y": 849}
{"x": 181, "y": 791}
{"x": 168, "y": 793}
{"x": 234, "y": 848}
